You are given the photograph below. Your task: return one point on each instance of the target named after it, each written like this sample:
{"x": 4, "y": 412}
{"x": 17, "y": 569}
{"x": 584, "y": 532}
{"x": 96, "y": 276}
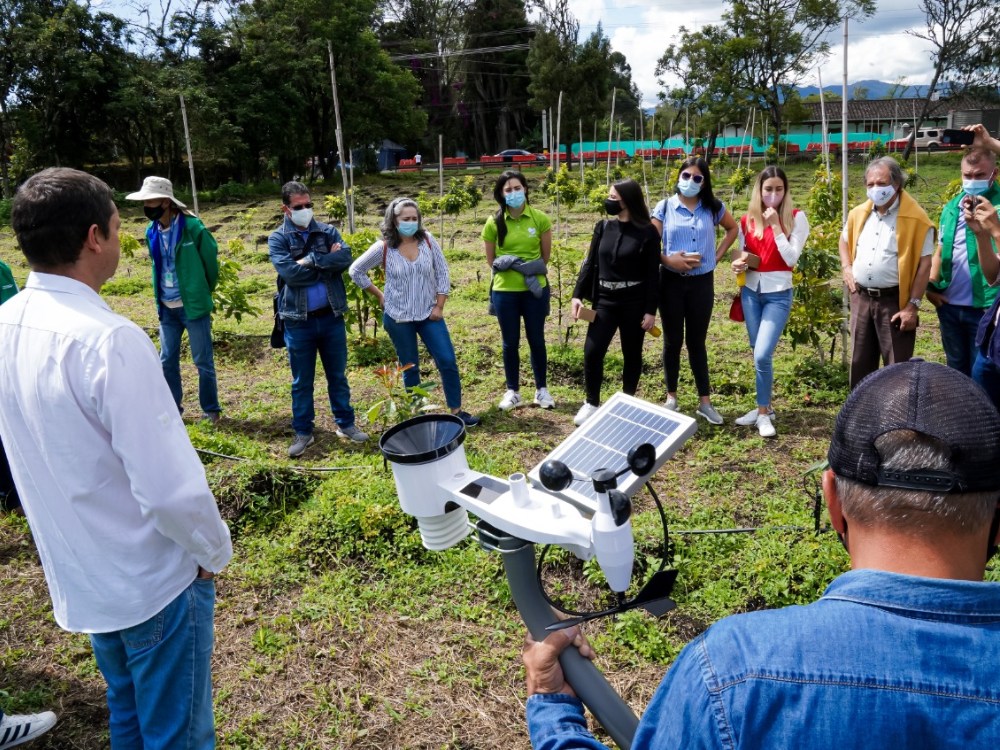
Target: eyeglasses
{"x": 696, "y": 178}
{"x": 301, "y": 206}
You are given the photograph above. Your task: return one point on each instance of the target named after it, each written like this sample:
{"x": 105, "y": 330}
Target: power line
{"x": 460, "y": 53}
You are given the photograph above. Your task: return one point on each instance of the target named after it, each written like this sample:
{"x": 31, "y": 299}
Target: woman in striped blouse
{"x": 416, "y": 289}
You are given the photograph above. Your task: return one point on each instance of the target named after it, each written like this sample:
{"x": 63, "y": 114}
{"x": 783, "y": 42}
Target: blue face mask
{"x": 408, "y": 228}
{"x": 976, "y": 187}
{"x": 515, "y": 199}
{"x": 688, "y": 188}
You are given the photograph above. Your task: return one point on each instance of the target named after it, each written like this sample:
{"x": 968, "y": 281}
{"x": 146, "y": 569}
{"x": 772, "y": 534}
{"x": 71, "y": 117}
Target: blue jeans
{"x": 959, "y": 324}
{"x": 434, "y": 334}
{"x": 159, "y": 675}
{"x": 326, "y": 336}
{"x": 510, "y": 308}
{"x": 987, "y": 375}
{"x": 173, "y": 322}
{"x": 766, "y": 314}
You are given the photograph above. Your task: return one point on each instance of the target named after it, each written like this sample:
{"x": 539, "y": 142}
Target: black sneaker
{"x": 470, "y": 421}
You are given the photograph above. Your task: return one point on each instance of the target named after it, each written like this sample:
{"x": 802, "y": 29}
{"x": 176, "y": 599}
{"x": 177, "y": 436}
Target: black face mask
{"x": 613, "y": 207}
{"x": 154, "y": 213}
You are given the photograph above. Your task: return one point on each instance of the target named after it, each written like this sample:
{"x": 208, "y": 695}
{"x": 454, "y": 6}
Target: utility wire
{"x": 205, "y": 452}
{"x": 461, "y": 52}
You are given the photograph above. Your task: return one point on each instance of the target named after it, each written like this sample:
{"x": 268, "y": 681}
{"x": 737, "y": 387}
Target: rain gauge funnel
{"x": 426, "y": 452}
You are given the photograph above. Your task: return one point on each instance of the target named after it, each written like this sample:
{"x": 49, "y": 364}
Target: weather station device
{"x": 578, "y": 498}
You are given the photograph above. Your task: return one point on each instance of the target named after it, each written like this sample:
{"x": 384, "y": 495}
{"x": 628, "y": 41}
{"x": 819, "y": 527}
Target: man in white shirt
{"x": 885, "y": 254}
{"x": 127, "y": 529}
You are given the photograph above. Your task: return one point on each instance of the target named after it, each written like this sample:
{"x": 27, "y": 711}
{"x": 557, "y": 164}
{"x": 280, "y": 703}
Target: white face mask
{"x": 302, "y": 217}
{"x": 772, "y": 200}
{"x": 881, "y": 194}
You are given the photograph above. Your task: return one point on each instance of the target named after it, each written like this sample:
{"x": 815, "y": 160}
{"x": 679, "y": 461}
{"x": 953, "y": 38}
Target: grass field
{"x": 334, "y": 627}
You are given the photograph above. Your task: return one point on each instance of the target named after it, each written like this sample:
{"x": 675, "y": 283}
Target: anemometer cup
{"x": 423, "y": 452}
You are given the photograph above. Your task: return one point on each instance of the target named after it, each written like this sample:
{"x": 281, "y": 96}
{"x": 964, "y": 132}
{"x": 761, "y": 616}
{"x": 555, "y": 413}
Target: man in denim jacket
{"x": 899, "y": 652}
{"x": 310, "y": 258}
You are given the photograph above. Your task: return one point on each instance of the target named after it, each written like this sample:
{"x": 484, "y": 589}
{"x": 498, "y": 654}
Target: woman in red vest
{"x": 772, "y": 235}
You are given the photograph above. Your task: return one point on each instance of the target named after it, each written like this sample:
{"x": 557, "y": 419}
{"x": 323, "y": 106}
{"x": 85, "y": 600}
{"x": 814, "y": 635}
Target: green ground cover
{"x": 335, "y": 628}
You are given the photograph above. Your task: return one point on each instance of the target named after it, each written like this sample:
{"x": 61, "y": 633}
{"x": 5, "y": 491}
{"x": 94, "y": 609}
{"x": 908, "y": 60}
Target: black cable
{"x": 667, "y": 553}
{"x": 621, "y": 604}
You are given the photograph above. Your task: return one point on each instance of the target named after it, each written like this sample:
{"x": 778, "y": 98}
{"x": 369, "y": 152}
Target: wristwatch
{"x": 916, "y": 302}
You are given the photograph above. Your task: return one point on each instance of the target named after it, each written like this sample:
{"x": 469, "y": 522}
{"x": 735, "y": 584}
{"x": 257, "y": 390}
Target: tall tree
{"x": 16, "y": 18}
{"x": 964, "y": 48}
{"x": 421, "y": 36}
{"x": 75, "y": 65}
{"x": 704, "y": 65}
{"x": 586, "y": 73}
{"x": 762, "y": 49}
{"x": 495, "y": 95}
{"x": 279, "y": 85}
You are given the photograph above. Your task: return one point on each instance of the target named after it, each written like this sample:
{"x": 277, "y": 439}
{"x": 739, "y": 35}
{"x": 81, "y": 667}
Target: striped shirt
{"x": 411, "y": 287}
{"x": 687, "y": 231}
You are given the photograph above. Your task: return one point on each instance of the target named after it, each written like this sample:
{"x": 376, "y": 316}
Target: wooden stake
{"x": 187, "y": 140}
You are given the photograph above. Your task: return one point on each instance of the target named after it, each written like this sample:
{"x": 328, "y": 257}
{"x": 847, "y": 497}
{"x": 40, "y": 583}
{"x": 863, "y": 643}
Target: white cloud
{"x": 886, "y": 57}
{"x": 877, "y": 47}
{"x": 588, "y": 12}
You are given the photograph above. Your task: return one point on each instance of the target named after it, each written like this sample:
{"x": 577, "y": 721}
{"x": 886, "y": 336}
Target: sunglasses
{"x": 301, "y": 206}
{"x": 696, "y": 178}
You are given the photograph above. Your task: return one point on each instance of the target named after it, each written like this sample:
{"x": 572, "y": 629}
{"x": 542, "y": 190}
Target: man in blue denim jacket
{"x": 901, "y": 651}
{"x": 310, "y": 258}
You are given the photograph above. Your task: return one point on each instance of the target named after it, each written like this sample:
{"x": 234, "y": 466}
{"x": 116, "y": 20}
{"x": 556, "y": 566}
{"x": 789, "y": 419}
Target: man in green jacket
{"x": 958, "y": 290}
{"x": 8, "y": 287}
{"x": 8, "y": 492}
{"x": 185, "y": 273}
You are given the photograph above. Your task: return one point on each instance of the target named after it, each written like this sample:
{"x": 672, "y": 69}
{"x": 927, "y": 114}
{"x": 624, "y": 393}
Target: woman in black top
{"x": 620, "y": 277}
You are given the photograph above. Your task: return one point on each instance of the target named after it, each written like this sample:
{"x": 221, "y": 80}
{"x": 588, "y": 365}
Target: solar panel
{"x": 604, "y": 440}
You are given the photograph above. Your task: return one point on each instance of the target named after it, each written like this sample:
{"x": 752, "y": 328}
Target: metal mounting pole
{"x": 613, "y": 713}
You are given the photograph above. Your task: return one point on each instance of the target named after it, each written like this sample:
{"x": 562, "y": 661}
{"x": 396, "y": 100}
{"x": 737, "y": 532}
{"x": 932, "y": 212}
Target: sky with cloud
{"x": 878, "y": 48}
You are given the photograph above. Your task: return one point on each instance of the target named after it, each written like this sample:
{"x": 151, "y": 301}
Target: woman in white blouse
{"x": 772, "y": 235}
{"x": 416, "y": 289}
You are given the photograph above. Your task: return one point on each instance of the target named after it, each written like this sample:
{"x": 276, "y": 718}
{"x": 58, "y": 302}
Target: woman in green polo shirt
{"x": 518, "y": 240}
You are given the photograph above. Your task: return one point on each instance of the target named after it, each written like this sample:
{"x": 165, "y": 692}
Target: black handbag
{"x": 278, "y": 331}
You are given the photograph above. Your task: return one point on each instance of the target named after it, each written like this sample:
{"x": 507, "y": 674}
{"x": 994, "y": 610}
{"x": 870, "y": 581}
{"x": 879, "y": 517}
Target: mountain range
{"x": 874, "y": 89}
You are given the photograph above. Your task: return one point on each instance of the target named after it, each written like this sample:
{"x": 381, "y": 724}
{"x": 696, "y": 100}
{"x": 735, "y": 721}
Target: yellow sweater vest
{"x": 912, "y": 224}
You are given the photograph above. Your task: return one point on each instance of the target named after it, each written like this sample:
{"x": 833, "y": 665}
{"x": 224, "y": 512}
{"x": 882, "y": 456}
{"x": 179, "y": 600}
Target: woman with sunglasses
{"x": 686, "y": 222}
{"x": 518, "y": 240}
{"x": 619, "y": 278}
{"x": 772, "y": 235}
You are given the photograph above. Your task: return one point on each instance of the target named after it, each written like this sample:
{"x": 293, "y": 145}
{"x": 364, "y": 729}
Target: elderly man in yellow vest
{"x": 885, "y": 254}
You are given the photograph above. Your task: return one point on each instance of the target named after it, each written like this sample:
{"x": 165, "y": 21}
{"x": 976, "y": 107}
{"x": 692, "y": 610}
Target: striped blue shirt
{"x": 685, "y": 231}
{"x": 411, "y": 287}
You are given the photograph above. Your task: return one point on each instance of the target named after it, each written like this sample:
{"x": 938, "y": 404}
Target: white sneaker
{"x": 750, "y": 418}
{"x": 15, "y": 730}
{"x": 585, "y": 413}
{"x": 544, "y": 399}
{"x": 671, "y": 403}
{"x": 511, "y": 400}
{"x": 764, "y": 426}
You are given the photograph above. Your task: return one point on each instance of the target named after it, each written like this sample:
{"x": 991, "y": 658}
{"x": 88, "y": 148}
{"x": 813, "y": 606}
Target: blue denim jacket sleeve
{"x": 324, "y": 257}
{"x": 682, "y": 713}
{"x": 279, "y": 249}
{"x": 556, "y": 722}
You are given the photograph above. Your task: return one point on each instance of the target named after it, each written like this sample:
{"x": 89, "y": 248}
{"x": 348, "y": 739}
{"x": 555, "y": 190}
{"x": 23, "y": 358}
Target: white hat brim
{"x": 148, "y": 195}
